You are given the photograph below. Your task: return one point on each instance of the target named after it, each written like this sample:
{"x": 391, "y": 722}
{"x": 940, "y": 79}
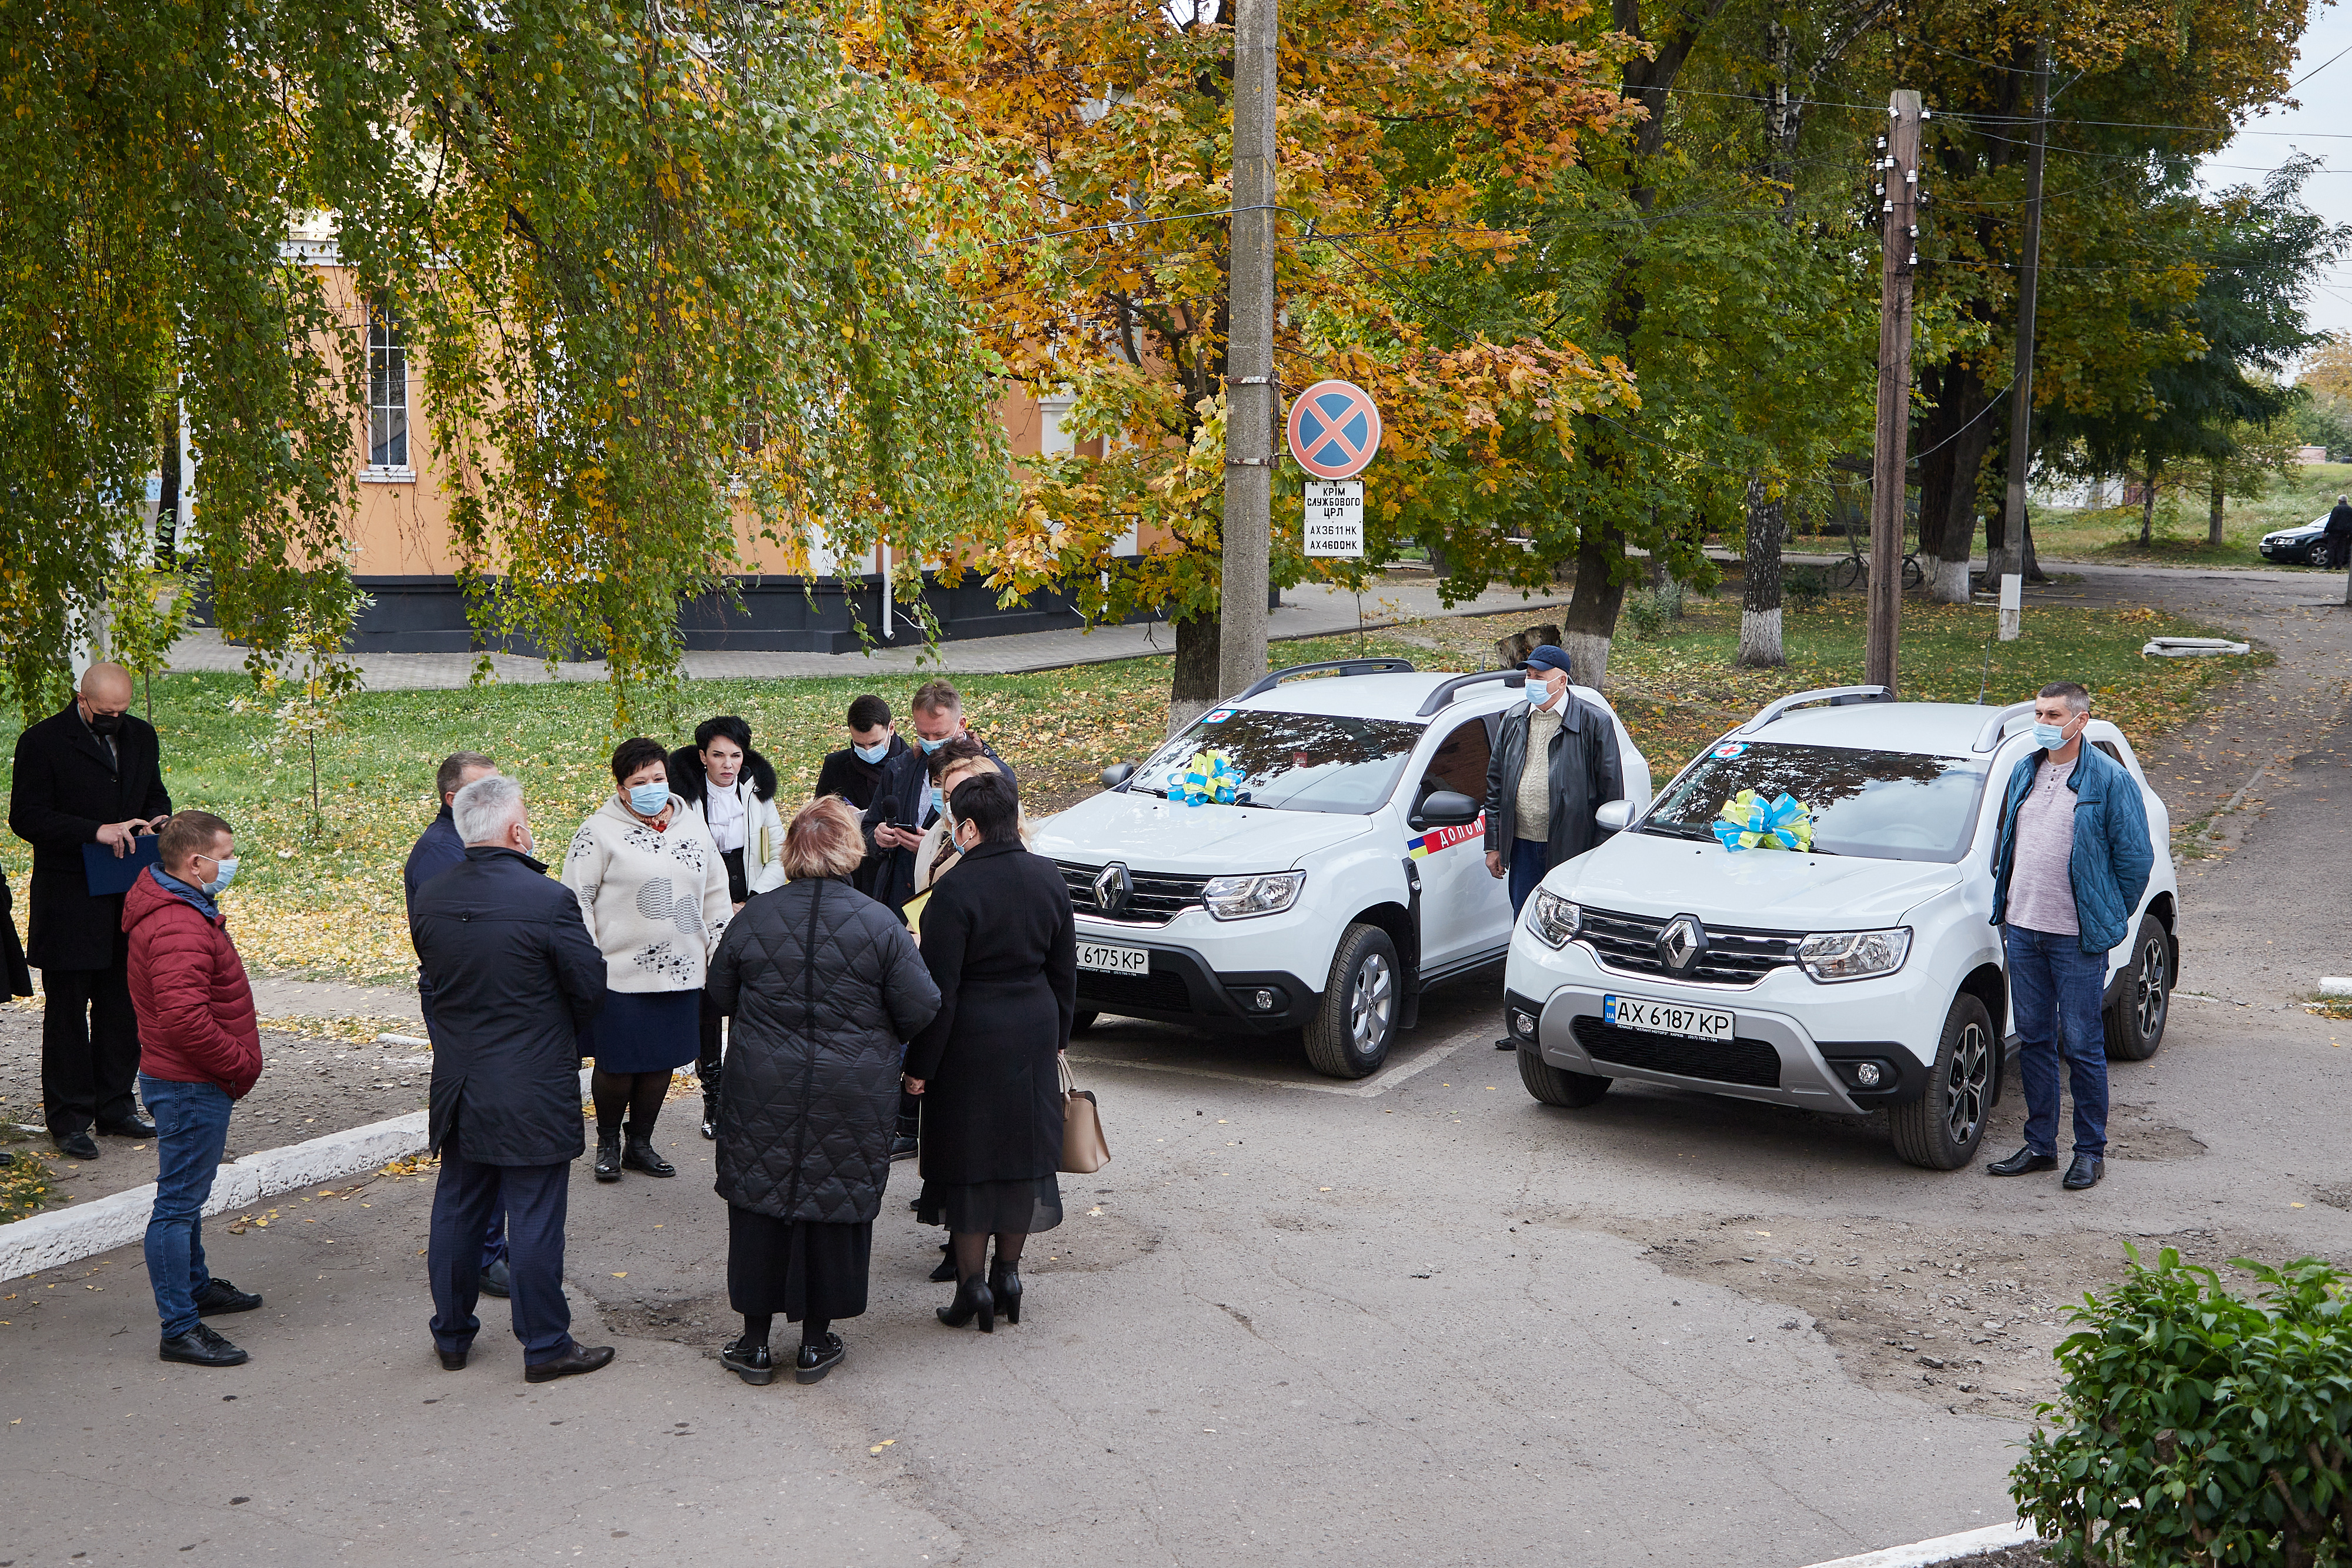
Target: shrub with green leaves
{"x": 2198, "y": 1428}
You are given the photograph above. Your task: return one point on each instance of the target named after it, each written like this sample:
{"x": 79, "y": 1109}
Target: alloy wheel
{"x": 1370, "y": 1002}
{"x": 1964, "y": 1096}
{"x": 2153, "y": 991}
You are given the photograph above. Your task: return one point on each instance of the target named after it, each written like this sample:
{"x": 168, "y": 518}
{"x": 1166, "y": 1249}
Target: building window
{"x": 387, "y": 373}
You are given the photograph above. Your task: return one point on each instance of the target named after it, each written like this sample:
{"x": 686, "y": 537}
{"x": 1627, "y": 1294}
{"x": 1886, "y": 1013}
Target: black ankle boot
{"x": 638, "y": 1155}
{"x": 608, "y": 1156}
{"x": 711, "y": 1113}
{"x": 945, "y": 1272}
{"x": 972, "y": 1297}
{"x": 1004, "y": 1286}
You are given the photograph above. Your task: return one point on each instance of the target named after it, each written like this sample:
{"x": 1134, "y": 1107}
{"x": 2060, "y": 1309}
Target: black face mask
{"x": 105, "y": 723}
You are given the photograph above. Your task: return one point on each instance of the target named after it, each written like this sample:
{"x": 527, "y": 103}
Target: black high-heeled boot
{"x": 1004, "y": 1286}
{"x": 972, "y": 1297}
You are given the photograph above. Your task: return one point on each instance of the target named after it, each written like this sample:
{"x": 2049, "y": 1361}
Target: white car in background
{"x": 1862, "y": 975}
{"x": 1347, "y": 874}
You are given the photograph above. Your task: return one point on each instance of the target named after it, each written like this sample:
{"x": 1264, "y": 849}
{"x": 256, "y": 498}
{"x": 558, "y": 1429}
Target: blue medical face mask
{"x": 648, "y": 799}
{"x": 2049, "y": 736}
{"x": 930, "y": 746}
{"x": 874, "y": 753}
{"x": 224, "y": 872}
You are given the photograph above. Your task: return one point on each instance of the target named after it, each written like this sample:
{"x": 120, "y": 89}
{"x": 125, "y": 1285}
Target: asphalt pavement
{"x": 1418, "y": 1320}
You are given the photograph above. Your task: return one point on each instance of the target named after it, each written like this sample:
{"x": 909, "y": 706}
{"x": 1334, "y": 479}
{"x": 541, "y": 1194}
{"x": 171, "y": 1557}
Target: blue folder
{"x": 107, "y": 874}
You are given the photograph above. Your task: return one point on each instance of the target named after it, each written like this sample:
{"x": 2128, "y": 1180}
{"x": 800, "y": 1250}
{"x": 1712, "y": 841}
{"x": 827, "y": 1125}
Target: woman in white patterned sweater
{"x": 653, "y": 889}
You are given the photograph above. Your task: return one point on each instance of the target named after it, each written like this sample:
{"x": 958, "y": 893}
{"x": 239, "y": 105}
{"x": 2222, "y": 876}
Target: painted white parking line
{"x": 1943, "y": 1549}
{"x": 1366, "y": 1090}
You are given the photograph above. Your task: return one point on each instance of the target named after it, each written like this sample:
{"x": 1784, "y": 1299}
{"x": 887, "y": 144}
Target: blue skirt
{"x": 658, "y": 1031}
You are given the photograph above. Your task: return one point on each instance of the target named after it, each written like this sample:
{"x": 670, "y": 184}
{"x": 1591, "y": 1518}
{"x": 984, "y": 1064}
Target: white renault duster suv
{"x": 1858, "y": 976}
{"x": 1349, "y": 872}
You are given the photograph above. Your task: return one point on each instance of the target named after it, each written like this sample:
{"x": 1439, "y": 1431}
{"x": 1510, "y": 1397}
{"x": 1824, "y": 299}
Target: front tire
{"x": 2134, "y": 1025}
{"x": 1556, "y": 1086}
{"x": 1351, "y": 1032}
{"x": 1940, "y": 1130}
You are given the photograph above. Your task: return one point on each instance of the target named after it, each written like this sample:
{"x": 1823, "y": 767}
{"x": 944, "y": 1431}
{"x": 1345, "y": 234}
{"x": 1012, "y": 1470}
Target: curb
{"x": 1943, "y": 1549}
{"x": 65, "y": 1235}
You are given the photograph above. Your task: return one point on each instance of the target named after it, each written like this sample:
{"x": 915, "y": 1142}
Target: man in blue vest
{"x": 2067, "y": 877}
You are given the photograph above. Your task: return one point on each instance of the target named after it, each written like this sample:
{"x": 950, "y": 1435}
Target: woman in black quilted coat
{"x": 1000, "y": 941}
{"x": 825, "y": 985}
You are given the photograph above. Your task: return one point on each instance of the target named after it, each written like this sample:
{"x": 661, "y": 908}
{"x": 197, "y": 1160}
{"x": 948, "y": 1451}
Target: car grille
{"x": 1163, "y": 991}
{"x": 1753, "y": 1062}
{"x": 1734, "y": 955}
{"x": 1158, "y": 899}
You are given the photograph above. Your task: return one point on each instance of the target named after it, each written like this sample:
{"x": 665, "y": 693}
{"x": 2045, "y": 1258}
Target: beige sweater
{"x": 655, "y": 902}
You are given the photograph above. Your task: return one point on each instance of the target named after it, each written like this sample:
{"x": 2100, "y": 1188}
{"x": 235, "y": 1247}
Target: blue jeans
{"x": 1528, "y": 860}
{"x": 2053, "y": 989}
{"x": 191, "y": 1131}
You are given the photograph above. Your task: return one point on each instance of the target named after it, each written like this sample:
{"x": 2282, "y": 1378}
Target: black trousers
{"x": 533, "y": 1199}
{"x": 705, "y": 1062}
{"x": 90, "y": 1046}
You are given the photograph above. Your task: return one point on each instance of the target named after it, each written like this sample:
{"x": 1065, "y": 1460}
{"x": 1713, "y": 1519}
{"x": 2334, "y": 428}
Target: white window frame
{"x": 374, "y": 473}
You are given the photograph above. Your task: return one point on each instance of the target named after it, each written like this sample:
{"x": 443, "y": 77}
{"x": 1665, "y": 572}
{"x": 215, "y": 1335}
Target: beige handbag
{"x": 1084, "y": 1150}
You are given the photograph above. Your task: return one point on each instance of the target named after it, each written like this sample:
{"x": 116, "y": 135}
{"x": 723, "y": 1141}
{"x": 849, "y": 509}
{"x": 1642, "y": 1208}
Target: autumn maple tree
{"x": 1403, "y": 130}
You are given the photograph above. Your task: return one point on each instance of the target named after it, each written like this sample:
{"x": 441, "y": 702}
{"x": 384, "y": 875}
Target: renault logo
{"x": 1113, "y": 888}
{"x": 1681, "y": 943}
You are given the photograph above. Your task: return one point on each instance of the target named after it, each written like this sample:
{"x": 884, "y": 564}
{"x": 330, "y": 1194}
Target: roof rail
{"x": 1989, "y": 738}
{"x": 1836, "y": 697}
{"x": 1336, "y": 666}
{"x": 1445, "y": 690}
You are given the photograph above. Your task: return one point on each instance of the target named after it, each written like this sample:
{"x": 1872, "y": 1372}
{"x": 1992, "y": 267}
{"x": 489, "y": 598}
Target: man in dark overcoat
{"x": 2338, "y": 534}
{"x": 91, "y": 774}
{"x": 904, "y": 803}
{"x": 515, "y": 977}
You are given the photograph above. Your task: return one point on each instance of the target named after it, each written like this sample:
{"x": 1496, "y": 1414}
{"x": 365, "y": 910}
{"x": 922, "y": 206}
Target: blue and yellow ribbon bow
{"x": 1212, "y": 776}
{"x": 1750, "y": 821}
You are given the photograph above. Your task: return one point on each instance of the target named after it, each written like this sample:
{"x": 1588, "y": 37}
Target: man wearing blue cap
{"x": 1555, "y": 764}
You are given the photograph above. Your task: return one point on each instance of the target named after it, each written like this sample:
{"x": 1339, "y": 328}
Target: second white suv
{"x": 1860, "y": 975}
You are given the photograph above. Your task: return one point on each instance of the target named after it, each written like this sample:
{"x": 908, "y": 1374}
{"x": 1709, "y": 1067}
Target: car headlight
{"x": 1553, "y": 918}
{"x": 1833, "y": 955}
{"x": 1240, "y": 897}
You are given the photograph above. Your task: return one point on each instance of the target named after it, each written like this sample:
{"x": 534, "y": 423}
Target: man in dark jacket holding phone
{"x": 90, "y": 774}
{"x": 515, "y": 977}
{"x": 907, "y": 803}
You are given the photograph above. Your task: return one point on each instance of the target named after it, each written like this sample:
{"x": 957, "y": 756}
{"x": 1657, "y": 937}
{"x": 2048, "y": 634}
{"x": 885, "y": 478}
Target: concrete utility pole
{"x": 2021, "y": 394}
{"x": 1249, "y": 355}
{"x": 1898, "y": 183}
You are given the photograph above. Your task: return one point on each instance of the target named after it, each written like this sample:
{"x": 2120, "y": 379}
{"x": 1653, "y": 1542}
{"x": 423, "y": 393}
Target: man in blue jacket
{"x": 515, "y": 977}
{"x": 438, "y": 848}
{"x": 2067, "y": 877}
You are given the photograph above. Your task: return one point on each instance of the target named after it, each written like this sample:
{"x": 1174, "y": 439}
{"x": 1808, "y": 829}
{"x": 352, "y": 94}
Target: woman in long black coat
{"x": 1000, "y": 942}
{"x": 824, "y": 985}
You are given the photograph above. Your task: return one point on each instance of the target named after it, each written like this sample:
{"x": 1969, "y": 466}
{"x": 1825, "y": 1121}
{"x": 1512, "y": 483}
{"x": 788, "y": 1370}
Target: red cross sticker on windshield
{"x": 1333, "y": 430}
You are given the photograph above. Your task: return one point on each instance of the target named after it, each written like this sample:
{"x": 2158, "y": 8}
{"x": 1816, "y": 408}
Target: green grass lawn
{"x": 329, "y": 902}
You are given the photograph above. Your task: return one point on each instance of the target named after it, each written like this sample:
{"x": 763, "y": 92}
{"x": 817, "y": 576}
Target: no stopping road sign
{"x": 1333, "y": 430}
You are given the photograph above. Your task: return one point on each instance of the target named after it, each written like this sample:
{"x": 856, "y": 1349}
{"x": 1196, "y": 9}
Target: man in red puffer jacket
{"x": 199, "y": 1052}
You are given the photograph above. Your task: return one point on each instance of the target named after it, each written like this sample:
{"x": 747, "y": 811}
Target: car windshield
{"x": 1889, "y": 805}
{"x": 1291, "y": 761}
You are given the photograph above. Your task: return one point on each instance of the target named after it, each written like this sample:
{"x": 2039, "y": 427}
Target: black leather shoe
{"x": 814, "y": 1361}
{"x": 221, "y": 1298}
{"x": 579, "y": 1359}
{"x": 749, "y": 1362}
{"x": 639, "y": 1155}
{"x": 710, "y": 1117}
{"x": 453, "y": 1360}
{"x": 2085, "y": 1173}
{"x": 2022, "y": 1161}
{"x": 903, "y": 1147}
{"x": 498, "y": 1280}
{"x": 200, "y": 1347}
{"x": 1004, "y": 1285}
{"x": 972, "y": 1299}
{"x": 78, "y": 1146}
{"x": 134, "y": 1126}
{"x": 608, "y": 1159}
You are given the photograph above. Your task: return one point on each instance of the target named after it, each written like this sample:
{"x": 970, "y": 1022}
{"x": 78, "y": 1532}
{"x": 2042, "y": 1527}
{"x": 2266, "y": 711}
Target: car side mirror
{"x": 1446, "y": 809}
{"x": 1614, "y": 816}
{"x": 1117, "y": 774}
